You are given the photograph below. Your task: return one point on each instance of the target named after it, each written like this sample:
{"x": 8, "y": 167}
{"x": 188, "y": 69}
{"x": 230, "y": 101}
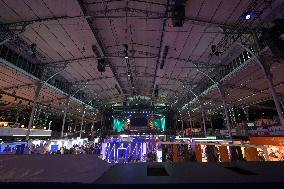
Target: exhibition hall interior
{"x": 169, "y": 92}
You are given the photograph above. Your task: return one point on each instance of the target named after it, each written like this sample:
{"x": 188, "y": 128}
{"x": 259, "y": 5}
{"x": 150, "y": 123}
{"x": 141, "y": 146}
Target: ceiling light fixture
{"x": 248, "y": 16}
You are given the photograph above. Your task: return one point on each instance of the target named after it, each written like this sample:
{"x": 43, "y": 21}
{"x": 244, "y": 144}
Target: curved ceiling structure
{"x": 145, "y": 54}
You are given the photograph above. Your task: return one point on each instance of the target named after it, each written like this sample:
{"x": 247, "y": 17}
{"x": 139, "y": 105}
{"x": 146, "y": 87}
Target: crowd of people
{"x": 150, "y": 157}
{"x": 89, "y": 148}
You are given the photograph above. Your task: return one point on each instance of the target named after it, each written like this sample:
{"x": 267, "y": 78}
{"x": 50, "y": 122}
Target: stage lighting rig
{"x": 126, "y": 56}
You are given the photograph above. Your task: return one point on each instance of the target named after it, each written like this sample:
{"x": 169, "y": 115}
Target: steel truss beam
{"x": 243, "y": 25}
{"x": 10, "y": 31}
{"x": 104, "y": 14}
{"x": 17, "y": 86}
{"x": 139, "y": 1}
{"x": 100, "y": 44}
{"x": 160, "y": 47}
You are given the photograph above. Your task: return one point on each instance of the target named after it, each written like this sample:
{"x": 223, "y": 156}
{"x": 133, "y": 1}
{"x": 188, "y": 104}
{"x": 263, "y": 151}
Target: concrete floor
{"x": 195, "y": 173}
{"x": 87, "y": 171}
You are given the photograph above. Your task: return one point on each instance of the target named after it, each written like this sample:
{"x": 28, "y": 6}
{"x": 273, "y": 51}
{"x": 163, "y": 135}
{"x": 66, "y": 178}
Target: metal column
{"x": 36, "y": 99}
{"x": 182, "y": 128}
{"x": 204, "y": 123}
{"x": 82, "y": 122}
{"x": 191, "y": 133}
{"x": 246, "y": 113}
{"x": 275, "y": 98}
{"x": 64, "y": 116}
{"x": 268, "y": 75}
{"x": 17, "y": 116}
{"x": 49, "y": 125}
{"x": 222, "y": 92}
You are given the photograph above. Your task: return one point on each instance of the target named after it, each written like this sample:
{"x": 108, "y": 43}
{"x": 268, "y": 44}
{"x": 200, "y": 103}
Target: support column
{"x": 191, "y": 133}
{"x": 182, "y": 128}
{"x": 246, "y": 113}
{"x": 275, "y": 98}
{"x": 226, "y": 110}
{"x": 36, "y": 99}
{"x": 82, "y": 122}
{"x": 233, "y": 116}
{"x": 49, "y": 125}
{"x": 281, "y": 103}
{"x": 64, "y": 116}
{"x": 204, "y": 123}
{"x": 211, "y": 122}
{"x": 17, "y": 116}
{"x": 268, "y": 75}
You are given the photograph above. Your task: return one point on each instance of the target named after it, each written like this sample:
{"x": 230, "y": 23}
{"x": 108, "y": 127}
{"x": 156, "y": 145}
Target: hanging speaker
{"x": 101, "y": 65}
{"x": 156, "y": 91}
{"x": 96, "y": 51}
{"x": 178, "y": 13}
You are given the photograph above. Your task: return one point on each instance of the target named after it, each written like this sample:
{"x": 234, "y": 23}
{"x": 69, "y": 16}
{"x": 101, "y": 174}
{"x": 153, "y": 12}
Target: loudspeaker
{"x": 96, "y": 51}
{"x": 101, "y": 65}
{"x": 156, "y": 91}
{"x": 273, "y": 38}
{"x": 178, "y": 13}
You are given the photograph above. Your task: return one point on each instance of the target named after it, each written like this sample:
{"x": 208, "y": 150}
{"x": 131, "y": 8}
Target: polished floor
{"x": 183, "y": 173}
{"x": 87, "y": 171}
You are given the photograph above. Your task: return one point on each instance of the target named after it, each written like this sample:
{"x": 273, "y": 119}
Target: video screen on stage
{"x": 120, "y": 124}
{"x": 138, "y": 121}
{"x": 153, "y": 122}
{"x": 158, "y": 123}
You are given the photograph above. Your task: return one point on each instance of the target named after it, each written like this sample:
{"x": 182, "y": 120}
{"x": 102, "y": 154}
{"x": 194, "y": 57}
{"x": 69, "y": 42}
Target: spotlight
{"x": 126, "y": 51}
{"x": 248, "y": 17}
{"x": 128, "y": 74}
